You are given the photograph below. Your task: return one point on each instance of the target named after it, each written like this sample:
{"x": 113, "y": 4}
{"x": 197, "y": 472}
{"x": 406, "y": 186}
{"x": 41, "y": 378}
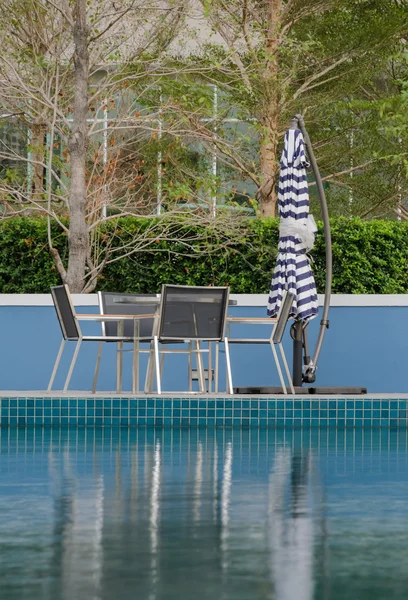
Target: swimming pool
{"x": 203, "y": 513}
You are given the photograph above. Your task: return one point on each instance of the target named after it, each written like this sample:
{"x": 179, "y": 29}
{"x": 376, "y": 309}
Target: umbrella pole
{"x": 309, "y": 376}
{"x": 296, "y": 332}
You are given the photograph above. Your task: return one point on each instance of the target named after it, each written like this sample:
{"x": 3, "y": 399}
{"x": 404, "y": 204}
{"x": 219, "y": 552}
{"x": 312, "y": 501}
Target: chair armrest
{"x": 102, "y": 318}
{"x": 248, "y": 340}
{"x": 251, "y": 320}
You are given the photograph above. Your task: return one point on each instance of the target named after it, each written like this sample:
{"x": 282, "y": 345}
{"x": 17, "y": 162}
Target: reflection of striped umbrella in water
{"x": 296, "y": 233}
{"x": 291, "y": 532}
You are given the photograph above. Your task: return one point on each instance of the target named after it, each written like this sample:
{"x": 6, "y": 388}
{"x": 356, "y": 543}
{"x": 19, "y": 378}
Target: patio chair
{"x": 275, "y": 339}
{"x": 127, "y": 304}
{"x": 71, "y": 331}
{"x": 192, "y": 315}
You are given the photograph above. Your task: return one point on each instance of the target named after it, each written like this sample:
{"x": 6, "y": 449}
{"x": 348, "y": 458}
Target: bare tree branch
{"x": 306, "y": 85}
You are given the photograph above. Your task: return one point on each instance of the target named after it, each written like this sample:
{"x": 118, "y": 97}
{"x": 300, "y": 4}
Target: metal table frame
{"x": 120, "y": 319}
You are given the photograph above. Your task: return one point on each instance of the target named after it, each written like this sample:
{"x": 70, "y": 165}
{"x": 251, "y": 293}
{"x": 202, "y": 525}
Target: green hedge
{"x": 368, "y": 257}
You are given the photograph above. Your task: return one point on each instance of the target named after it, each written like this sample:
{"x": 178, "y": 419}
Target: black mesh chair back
{"x": 128, "y": 304}
{"x": 65, "y": 313}
{"x": 189, "y": 313}
{"x": 283, "y": 317}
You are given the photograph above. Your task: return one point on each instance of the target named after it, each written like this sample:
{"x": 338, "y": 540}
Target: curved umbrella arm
{"x": 324, "y": 323}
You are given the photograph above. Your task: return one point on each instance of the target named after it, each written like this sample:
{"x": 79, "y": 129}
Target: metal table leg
{"x": 150, "y": 370}
{"x": 217, "y": 366}
{"x": 210, "y": 369}
{"x": 190, "y": 366}
{"x": 136, "y": 356}
{"x": 119, "y": 358}
{"x": 200, "y": 368}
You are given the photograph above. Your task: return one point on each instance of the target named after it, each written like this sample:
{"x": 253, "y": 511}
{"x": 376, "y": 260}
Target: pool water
{"x": 203, "y": 514}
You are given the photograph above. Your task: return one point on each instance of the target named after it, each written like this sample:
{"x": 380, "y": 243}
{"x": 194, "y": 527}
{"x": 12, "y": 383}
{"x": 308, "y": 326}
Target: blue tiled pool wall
{"x": 203, "y": 412}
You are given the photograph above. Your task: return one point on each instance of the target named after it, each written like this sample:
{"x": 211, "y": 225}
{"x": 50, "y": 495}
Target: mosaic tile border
{"x": 203, "y": 412}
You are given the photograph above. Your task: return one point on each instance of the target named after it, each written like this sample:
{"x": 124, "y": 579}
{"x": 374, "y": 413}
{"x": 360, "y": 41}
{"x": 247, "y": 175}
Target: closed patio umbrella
{"x": 296, "y": 234}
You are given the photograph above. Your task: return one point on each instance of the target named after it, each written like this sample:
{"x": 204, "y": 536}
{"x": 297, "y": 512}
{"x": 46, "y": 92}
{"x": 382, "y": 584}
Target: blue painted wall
{"x": 365, "y": 346}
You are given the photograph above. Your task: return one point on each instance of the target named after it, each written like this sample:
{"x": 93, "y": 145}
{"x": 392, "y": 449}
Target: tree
{"x": 82, "y": 71}
{"x": 119, "y": 121}
{"x": 327, "y": 59}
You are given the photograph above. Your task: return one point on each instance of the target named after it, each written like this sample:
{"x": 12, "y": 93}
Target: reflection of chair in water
{"x": 77, "y": 534}
{"x": 155, "y": 516}
{"x": 225, "y": 504}
{"x": 291, "y": 534}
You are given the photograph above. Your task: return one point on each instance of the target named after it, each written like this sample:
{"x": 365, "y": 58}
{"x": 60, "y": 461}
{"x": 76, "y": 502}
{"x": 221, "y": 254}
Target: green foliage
{"x": 369, "y": 257}
{"x": 342, "y": 64}
{"x": 26, "y": 265}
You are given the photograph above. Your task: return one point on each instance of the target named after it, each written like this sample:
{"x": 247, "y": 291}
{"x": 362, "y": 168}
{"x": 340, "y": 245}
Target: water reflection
{"x": 154, "y": 516}
{"x": 166, "y": 514}
{"x": 77, "y": 520}
{"x": 198, "y": 482}
{"x": 291, "y": 526}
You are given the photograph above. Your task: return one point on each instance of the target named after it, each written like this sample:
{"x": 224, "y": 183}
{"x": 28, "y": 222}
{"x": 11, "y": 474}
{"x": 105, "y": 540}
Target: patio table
{"x": 136, "y": 348}
{"x": 120, "y": 319}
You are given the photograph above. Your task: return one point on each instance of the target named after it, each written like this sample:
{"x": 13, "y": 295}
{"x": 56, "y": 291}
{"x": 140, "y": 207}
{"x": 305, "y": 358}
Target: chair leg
{"x": 226, "y": 336}
{"x": 98, "y": 362}
{"x": 71, "y": 368}
{"x": 210, "y": 369}
{"x": 200, "y": 368}
{"x": 56, "y": 365}
{"x": 150, "y": 370}
{"x": 275, "y": 356}
{"x": 156, "y": 360}
{"x": 230, "y": 389}
{"x": 190, "y": 366}
{"x": 285, "y": 364}
{"x": 136, "y": 357}
{"x": 119, "y": 367}
{"x": 217, "y": 366}
{"x": 135, "y": 370}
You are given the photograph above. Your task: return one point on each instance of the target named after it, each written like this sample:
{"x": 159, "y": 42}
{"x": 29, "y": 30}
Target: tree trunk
{"x": 270, "y": 113}
{"x": 77, "y": 145}
{"x": 38, "y": 133}
{"x": 269, "y": 162}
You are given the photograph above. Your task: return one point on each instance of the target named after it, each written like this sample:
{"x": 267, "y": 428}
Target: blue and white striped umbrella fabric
{"x": 296, "y": 233}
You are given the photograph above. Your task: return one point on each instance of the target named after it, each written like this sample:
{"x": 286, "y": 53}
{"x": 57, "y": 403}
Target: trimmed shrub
{"x": 369, "y": 257}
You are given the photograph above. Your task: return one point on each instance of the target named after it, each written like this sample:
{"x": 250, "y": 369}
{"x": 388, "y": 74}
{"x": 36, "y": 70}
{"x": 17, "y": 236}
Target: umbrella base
{"x": 302, "y": 391}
